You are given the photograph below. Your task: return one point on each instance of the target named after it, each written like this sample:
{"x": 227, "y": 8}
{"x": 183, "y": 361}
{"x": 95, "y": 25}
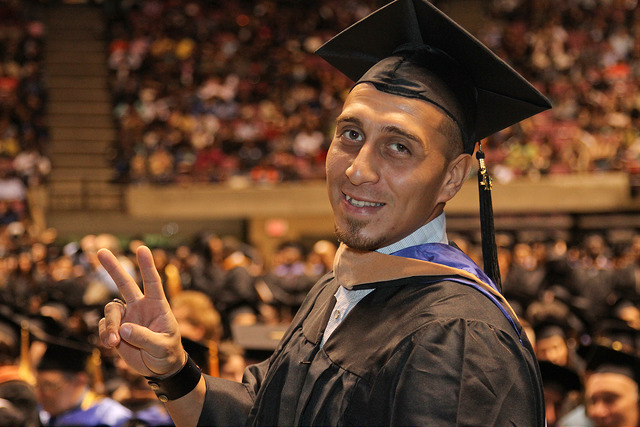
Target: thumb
{"x": 163, "y": 350}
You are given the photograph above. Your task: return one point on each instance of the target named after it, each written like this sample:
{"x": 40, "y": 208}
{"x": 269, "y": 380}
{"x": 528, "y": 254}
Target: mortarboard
{"x": 10, "y": 333}
{"x": 65, "y": 351}
{"x": 66, "y": 356}
{"x": 603, "y": 359}
{"x": 618, "y": 335}
{"x": 259, "y": 340}
{"x": 562, "y": 377}
{"x": 411, "y": 49}
{"x": 202, "y": 354}
{"x": 406, "y": 35}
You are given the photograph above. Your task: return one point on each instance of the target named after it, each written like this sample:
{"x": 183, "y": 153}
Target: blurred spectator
{"x": 232, "y": 361}
{"x": 611, "y": 388}
{"x": 13, "y": 193}
{"x": 593, "y": 277}
{"x": 526, "y": 274}
{"x": 135, "y": 394}
{"x": 320, "y": 258}
{"x": 200, "y": 328}
{"x": 197, "y": 318}
{"x": 16, "y": 383}
{"x": 64, "y": 394}
{"x": 555, "y": 343}
{"x": 238, "y": 298}
{"x": 562, "y": 387}
{"x": 288, "y": 280}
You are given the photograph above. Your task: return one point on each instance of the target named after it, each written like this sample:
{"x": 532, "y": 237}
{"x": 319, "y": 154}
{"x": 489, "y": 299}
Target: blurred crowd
{"x": 229, "y": 301}
{"x": 24, "y": 137}
{"x": 212, "y": 92}
{"x": 583, "y": 55}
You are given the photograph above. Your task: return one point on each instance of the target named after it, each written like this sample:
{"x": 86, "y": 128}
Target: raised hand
{"x": 143, "y": 330}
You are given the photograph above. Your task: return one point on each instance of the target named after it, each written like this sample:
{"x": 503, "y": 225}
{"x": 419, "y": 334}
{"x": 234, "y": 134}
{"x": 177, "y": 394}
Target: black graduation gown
{"x": 412, "y": 352}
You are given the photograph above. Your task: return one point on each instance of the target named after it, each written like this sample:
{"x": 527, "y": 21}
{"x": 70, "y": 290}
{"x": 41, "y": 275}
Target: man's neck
{"x": 432, "y": 232}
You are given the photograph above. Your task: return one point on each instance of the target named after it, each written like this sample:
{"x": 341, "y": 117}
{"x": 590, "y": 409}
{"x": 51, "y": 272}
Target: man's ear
{"x": 457, "y": 173}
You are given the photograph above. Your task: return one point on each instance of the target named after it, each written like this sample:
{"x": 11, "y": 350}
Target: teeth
{"x": 361, "y": 203}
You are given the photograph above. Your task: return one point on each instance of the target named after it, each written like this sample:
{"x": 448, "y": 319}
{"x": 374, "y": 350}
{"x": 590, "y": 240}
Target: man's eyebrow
{"x": 401, "y": 132}
{"x": 349, "y": 119}
{"x": 390, "y": 129}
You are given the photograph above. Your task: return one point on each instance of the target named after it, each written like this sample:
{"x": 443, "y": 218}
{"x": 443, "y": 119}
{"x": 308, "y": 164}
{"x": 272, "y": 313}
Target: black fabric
{"x": 408, "y": 354}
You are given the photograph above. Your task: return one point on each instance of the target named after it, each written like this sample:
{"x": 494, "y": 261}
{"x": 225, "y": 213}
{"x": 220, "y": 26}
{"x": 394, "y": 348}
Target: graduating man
{"x": 64, "y": 392}
{"x": 406, "y": 330}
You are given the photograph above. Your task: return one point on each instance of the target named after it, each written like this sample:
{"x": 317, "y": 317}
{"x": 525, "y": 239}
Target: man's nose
{"x": 364, "y": 167}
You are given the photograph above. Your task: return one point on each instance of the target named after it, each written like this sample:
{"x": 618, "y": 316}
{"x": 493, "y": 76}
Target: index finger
{"x": 126, "y": 285}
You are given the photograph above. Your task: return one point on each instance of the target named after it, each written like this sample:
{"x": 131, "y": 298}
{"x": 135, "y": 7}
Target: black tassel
{"x": 489, "y": 249}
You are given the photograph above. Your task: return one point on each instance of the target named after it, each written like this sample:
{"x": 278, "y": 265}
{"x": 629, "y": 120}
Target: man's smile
{"x": 361, "y": 203}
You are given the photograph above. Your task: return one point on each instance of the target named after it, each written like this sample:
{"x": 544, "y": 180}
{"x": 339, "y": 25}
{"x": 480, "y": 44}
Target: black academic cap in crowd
{"x": 603, "y": 359}
{"x": 412, "y": 49}
{"x": 10, "y": 333}
{"x": 259, "y": 340}
{"x": 551, "y": 327}
{"x": 199, "y": 352}
{"x": 549, "y": 330}
{"x": 618, "y": 335}
{"x": 65, "y": 351}
{"x": 64, "y": 355}
{"x": 559, "y": 377}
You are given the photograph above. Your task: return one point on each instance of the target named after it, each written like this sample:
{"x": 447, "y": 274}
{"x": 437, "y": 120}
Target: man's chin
{"x": 356, "y": 240}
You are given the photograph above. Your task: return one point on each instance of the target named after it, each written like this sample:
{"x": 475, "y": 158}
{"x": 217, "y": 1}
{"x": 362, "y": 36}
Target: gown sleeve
{"x": 461, "y": 372}
{"x": 227, "y": 403}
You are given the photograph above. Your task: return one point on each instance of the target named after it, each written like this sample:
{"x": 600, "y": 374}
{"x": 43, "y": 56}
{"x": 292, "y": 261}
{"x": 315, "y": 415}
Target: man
{"x": 611, "y": 389}
{"x": 64, "y": 393}
{"x": 562, "y": 388}
{"x": 611, "y": 393}
{"x": 611, "y": 377}
{"x": 406, "y": 330}
{"x": 16, "y": 381}
{"x": 134, "y": 393}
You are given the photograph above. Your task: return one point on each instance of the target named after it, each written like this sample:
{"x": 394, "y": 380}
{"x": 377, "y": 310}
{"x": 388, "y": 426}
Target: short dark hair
{"x": 451, "y": 131}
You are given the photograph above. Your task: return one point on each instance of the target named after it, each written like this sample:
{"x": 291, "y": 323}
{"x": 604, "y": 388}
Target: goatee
{"x": 352, "y": 237}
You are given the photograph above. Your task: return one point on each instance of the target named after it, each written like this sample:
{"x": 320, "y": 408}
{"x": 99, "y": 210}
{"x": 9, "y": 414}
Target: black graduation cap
{"x": 413, "y": 45}
{"x": 603, "y": 359}
{"x": 64, "y": 355}
{"x": 199, "y": 352}
{"x": 618, "y": 335}
{"x": 258, "y": 340}
{"x": 65, "y": 351}
{"x": 10, "y": 334}
{"x": 560, "y": 377}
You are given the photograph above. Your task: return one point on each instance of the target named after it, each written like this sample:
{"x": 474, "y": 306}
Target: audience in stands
{"x": 197, "y": 100}
{"x": 24, "y": 135}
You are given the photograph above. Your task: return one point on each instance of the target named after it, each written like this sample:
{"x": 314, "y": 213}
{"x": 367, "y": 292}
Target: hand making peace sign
{"x": 143, "y": 330}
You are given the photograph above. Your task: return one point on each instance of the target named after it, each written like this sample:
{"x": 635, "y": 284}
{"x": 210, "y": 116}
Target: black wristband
{"x": 178, "y": 384}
